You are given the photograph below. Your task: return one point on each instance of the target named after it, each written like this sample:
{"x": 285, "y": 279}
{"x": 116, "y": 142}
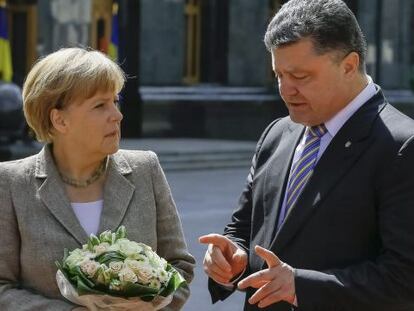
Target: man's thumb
{"x": 239, "y": 257}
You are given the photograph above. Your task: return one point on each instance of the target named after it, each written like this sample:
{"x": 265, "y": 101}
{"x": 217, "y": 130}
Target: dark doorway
{"x": 214, "y": 41}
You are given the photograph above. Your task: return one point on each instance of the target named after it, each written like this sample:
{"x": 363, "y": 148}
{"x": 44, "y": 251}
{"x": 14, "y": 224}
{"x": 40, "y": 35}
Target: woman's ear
{"x": 57, "y": 118}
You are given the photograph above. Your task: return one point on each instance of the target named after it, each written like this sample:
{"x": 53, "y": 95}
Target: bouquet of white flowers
{"x": 112, "y": 272}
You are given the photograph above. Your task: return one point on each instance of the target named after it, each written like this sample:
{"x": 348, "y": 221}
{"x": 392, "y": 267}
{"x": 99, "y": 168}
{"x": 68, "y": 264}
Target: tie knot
{"x": 317, "y": 131}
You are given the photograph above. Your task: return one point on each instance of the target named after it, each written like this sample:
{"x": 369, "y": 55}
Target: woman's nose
{"x": 116, "y": 114}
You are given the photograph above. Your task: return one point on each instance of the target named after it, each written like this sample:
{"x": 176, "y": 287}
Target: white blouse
{"x": 89, "y": 215}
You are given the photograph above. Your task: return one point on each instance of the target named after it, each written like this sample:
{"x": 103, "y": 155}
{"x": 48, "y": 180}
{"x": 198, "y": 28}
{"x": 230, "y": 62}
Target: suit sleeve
{"x": 170, "y": 238}
{"x": 385, "y": 282}
{"x": 13, "y": 295}
{"x": 238, "y": 230}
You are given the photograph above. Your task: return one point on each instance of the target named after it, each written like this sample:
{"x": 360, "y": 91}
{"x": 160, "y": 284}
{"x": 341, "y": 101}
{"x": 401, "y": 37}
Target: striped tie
{"x": 302, "y": 169}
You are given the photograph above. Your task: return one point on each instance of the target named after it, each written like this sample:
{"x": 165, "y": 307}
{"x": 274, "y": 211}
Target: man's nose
{"x": 287, "y": 88}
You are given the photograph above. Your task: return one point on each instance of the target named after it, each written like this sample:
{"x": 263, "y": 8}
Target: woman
{"x": 79, "y": 183}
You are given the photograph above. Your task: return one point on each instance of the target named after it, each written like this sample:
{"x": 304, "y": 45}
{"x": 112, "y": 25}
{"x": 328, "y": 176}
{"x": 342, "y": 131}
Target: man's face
{"x": 313, "y": 87}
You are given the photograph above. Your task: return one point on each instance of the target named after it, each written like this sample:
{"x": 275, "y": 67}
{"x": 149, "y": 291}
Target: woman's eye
{"x": 99, "y": 105}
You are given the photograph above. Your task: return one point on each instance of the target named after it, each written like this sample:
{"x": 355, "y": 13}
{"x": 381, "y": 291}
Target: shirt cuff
{"x": 230, "y": 285}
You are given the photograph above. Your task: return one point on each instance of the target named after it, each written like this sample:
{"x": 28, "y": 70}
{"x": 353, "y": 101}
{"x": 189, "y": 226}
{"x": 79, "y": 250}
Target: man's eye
{"x": 300, "y": 77}
{"x": 99, "y": 105}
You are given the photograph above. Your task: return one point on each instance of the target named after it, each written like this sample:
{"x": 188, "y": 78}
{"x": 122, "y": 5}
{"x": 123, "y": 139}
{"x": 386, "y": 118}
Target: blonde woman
{"x": 79, "y": 183}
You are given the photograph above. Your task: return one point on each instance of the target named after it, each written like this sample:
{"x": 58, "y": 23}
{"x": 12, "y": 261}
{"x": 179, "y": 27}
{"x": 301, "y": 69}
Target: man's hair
{"x": 62, "y": 77}
{"x": 330, "y": 24}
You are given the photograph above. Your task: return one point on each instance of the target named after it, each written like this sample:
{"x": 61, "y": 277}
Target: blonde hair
{"x": 61, "y": 77}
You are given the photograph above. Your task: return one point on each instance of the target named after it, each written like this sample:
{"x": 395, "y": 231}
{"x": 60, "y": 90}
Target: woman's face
{"x": 92, "y": 125}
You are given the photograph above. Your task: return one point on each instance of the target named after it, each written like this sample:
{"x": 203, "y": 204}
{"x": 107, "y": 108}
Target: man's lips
{"x": 296, "y": 104}
{"x": 113, "y": 133}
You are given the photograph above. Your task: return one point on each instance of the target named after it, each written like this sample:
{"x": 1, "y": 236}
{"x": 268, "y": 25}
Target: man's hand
{"x": 223, "y": 260}
{"x": 274, "y": 284}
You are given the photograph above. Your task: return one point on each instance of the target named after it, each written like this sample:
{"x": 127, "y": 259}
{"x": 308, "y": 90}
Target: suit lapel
{"x": 53, "y": 195}
{"x": 343, "y": 151}
{"x": 118, "y": 193}
{"x": 276, "y": 178}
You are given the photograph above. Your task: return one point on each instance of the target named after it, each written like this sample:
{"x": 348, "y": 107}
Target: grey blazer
{"x": 37, "y": 223}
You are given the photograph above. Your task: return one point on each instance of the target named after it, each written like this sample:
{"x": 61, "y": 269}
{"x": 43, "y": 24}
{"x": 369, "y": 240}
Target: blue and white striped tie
{"x": 302, "y": 169}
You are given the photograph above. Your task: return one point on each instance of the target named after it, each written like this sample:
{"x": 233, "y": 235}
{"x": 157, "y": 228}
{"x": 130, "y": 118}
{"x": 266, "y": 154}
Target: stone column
{"x": 248, "y": 58}
{"x": 162, "y": 42}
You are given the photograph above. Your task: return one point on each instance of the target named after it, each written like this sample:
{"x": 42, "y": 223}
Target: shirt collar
{"x": 335, "y": 123}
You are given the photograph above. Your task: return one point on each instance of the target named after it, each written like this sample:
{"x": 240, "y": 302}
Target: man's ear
{"x": 57, "y": 118}
{"x": 350, "y": 64}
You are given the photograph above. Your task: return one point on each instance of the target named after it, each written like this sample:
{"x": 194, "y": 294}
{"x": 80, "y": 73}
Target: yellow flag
{"x": 6, "y": 68}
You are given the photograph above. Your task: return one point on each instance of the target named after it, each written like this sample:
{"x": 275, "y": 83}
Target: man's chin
{"x": 299, "y": 120}
{"x": 304, "y": 121}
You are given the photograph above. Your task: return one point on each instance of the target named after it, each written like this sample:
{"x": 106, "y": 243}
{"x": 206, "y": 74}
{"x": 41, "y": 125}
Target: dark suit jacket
{"x": 351, "y": 234}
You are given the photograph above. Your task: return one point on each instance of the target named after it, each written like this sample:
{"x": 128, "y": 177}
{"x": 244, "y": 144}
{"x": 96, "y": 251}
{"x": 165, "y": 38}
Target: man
{"x": 326, "y": 220}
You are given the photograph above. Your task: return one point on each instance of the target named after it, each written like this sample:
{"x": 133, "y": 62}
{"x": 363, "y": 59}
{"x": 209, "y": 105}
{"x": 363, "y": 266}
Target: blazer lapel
{"x": 343, "y": 151}
{"x": 53, "y": 195}
{"x": 118, "y": 192}
{"x": 277, "y": 175}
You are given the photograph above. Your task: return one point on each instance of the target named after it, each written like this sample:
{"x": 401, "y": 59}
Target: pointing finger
{"x": 271, "y": 259}
{"x": 216, "y": 239}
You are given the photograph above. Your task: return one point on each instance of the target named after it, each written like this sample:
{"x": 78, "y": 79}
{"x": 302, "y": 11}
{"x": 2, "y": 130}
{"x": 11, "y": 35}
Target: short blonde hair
{"x": 63, "y": 76}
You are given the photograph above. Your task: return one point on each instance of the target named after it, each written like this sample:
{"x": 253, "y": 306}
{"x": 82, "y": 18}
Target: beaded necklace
{"x": 84, "y": 183}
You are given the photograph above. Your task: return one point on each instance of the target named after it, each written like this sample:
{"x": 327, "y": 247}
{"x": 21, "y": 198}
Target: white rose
{"x": 89, "y": 267}
{"x": 145, "y": 273}
{"x": 75, "y": 258}
{"x": 133, "y": 264}
{"x": 157, "y": 262}
{"x": 143, "y": 269}
{"x": 127, "y": 275}
{"x": 101, "y": 248}
{"x": 129, "y": 248}
{"x": 116, "y": 266}
{"x": 113, "y": 248}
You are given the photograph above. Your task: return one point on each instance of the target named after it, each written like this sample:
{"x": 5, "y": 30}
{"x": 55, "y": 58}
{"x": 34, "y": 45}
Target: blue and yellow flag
{"x": 6, "y": 69}
{"x": 113, "y": 45}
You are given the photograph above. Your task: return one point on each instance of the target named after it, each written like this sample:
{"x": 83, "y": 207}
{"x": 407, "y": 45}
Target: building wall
{"x": 162, "y": 42}
{"x": 248, "y": 58}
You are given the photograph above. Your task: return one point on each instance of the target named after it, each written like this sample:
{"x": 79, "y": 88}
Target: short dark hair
{"x": 330, "y": 24}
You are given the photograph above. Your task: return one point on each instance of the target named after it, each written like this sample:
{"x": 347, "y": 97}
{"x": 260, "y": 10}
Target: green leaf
{"x": 175, "y": 282}
{"x": 84, "y": 289}
{"x": 108, "y": 257}
{"x": 137, "y": 290}
{"x": 120, "y": 233}
{"x": 106, "y": 236}
{"x": 94, "y": 240}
